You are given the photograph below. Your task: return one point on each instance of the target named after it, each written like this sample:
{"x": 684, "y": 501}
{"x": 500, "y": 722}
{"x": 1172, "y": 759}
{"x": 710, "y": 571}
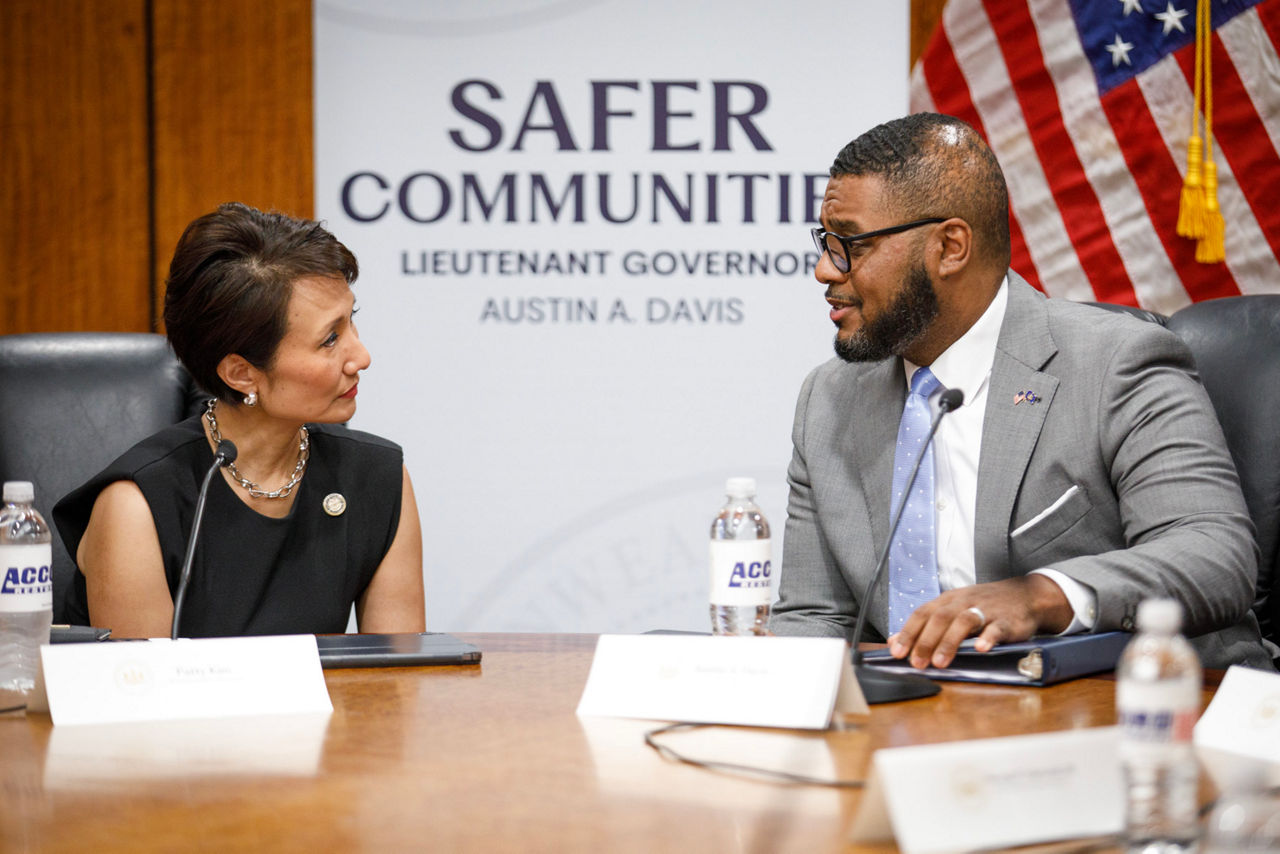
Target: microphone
{"x": 224, "y": 454}
{"x": 877, "y": 685}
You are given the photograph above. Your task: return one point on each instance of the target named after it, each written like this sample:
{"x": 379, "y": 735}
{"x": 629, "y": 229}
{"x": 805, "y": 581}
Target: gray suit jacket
{"x": 1158, "y": 509}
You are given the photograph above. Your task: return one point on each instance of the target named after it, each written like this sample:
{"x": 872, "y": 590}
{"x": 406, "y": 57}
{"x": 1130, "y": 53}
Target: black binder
{"x": 394, "y": 650}
{"x": 1039, "y": 661}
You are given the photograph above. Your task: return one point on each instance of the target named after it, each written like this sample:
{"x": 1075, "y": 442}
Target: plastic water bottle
{"x": 1157, "y": 703}
{"x": 741, "y": 563}
{"x": 26, "y": 593}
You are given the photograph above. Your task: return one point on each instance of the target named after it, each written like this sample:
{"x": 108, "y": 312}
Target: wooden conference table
{"x": 477, "y": 758}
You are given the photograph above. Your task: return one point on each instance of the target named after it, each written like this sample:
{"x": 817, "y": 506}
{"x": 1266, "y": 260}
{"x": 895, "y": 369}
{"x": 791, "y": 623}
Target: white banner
{"x": 586, "y": 278}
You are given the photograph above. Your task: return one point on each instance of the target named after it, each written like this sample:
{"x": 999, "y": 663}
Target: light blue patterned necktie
{"x": 913, "y": 557}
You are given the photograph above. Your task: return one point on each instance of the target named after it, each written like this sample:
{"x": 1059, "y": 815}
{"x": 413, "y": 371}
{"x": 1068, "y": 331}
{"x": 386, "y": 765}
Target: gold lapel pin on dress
{"x": 335, "y": 504}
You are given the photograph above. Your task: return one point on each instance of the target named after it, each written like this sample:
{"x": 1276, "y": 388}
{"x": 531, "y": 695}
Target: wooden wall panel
{"x": 233, "y": 113}
{"x": 74, "y": 245}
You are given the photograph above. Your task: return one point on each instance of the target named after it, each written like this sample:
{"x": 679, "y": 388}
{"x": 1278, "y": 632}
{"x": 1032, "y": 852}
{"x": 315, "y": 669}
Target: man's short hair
{"x": 936, "y": 165}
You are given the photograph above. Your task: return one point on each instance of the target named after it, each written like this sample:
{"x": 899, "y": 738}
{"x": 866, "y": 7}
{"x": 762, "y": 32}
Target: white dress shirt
{"x": 966, "y": 365}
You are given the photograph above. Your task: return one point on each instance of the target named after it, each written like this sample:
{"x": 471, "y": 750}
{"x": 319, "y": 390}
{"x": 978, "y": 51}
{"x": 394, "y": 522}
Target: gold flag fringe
{"x": 1199, "y": 216}
{"x": 1191, "y": 205}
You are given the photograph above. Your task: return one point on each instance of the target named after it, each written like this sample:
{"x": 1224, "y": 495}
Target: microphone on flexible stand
{"x": 224, "y": 454}
{"x": 877, "y": 685}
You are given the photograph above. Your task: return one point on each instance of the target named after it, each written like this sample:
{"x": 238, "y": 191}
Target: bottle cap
{"x": 1159, "y": 615}
{"x": 19, "y": 492}
{"x": 740, "y": 487}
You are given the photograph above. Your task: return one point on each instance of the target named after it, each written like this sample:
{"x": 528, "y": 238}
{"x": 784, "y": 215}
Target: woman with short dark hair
{"x": 311, "y": 517}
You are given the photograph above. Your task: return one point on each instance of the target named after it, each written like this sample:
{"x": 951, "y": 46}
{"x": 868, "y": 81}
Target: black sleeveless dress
{"x": 254, "y": 575}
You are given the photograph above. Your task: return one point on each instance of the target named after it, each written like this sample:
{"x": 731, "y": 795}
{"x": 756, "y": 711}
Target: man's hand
{"x": 1015, "y": 609}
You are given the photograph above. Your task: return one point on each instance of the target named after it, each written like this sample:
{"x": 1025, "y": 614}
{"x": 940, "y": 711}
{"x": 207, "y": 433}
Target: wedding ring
{"x": 977, "y": 612}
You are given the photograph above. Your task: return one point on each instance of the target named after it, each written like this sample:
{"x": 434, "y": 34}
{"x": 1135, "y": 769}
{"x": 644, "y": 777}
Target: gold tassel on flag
{"x": 1210, "y": 249}
{"x": 1191, "y": 206}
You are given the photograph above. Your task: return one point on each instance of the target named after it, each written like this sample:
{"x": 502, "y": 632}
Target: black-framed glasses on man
{"x": 839, "y": 246}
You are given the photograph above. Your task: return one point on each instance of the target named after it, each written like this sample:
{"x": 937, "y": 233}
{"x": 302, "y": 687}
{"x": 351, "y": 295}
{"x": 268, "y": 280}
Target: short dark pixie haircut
{"x": 935, "y": 165}
{"x": 230, "y": 282}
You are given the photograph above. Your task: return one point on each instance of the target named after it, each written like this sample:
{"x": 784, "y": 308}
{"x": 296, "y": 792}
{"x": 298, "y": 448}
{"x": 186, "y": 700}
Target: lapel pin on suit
{"x": 1026, "y": 396}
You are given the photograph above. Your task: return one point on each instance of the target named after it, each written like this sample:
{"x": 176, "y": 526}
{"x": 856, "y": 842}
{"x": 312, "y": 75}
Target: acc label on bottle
{"x": 26, "y": 581}
{"x": 1154, "y": 716}
{"x": 741, "y": 572}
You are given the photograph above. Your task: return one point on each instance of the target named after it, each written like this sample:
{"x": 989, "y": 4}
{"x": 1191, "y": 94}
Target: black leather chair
{"x": 1236, "y": 345}
{"x": 71, "y": 402}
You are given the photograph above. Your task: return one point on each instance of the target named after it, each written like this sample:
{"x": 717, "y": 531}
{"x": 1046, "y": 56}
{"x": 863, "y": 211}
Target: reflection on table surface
{"x": 473, "y": 758}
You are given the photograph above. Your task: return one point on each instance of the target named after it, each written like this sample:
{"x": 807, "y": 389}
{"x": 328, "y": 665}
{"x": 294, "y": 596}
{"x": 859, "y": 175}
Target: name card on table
{"x": 994, "y": 793}
{"x": 787, "y": 682}
{"x": 161, "y": 680}
{"x": 1238, "y": 736}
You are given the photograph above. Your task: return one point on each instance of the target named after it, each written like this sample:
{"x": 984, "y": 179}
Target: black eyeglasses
{"x": 840, "y": 247}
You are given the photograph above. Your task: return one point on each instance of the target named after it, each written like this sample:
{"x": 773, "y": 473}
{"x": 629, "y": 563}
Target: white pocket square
{"x": 1046, "y": 512}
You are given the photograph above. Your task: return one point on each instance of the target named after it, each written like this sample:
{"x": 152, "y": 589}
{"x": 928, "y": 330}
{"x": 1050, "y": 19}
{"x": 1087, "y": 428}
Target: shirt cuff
{"x": 1082, "y": 598}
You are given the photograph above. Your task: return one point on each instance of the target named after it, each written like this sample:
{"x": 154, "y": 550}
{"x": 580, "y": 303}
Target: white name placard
{"x": 769, "y": 681}
{"x": 1238, "y": 736}
{"x": 160, "y": 680}
{"x": 993, "y": 793}
{"x": 1244, "y": 716}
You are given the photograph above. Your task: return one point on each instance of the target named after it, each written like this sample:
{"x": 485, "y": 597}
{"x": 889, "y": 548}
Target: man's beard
{"x": 898, "y": 327}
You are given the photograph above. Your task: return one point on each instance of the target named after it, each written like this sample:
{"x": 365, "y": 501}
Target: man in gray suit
{"x": 1085, "y": 472}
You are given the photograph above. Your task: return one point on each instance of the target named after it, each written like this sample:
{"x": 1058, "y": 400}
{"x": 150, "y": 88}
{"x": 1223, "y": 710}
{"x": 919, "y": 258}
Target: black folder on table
{"x": 394, "y": 650}
{"x": 1039, "y": 661}
{"x": 409, "y": 649}
{"x": 77, "y": 634}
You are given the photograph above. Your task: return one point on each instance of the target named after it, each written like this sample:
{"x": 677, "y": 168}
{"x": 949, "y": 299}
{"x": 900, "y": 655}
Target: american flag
{"x": 1088, "y": 104}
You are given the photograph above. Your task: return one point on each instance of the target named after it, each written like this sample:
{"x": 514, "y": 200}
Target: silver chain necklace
{"x": 255, "y": 491}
